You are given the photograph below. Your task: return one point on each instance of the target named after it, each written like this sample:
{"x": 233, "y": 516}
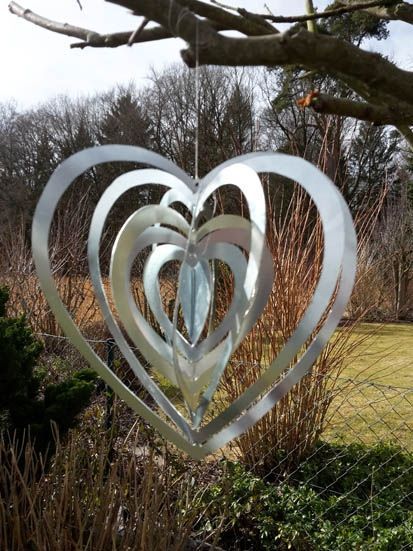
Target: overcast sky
{"x": 36, "y": 64}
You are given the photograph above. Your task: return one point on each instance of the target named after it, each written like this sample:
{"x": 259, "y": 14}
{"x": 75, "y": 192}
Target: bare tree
{"x": 384, "y": 92}
{"x": 223, "y": 118}
{"x": 395, "y": 243}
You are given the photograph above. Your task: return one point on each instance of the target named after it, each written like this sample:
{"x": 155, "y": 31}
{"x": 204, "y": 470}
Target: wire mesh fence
{"x": 350, "y": 482}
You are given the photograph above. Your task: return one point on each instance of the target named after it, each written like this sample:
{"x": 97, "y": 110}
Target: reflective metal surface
{"x": 194, "y": 359}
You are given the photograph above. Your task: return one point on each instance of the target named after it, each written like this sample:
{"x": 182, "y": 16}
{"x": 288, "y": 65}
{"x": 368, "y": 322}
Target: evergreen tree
{"x": 22, "y": 407}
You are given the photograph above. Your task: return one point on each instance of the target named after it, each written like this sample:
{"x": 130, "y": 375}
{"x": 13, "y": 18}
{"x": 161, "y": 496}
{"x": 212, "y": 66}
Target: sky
{"x": 36, "y": 64}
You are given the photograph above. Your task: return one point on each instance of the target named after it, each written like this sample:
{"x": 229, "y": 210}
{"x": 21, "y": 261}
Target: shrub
{"x": 296, "y": 422}
{"x": 344, "y": 497}
{"x": 22, "y": 406}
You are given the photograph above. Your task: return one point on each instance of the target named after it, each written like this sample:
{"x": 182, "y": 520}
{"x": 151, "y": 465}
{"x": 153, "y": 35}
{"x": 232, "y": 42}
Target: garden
{"x": 330, "y": 465}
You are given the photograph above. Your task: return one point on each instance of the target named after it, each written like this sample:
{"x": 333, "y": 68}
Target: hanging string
{"x": 197, "y": 94}
{"x": 181, "y": 382}
{"x": 195, "y": 408}
{"x": 174, "y": 29}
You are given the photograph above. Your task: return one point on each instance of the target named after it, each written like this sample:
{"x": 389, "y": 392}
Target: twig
{"x": 266, "y": 6}
{"x": 138, "y": 31}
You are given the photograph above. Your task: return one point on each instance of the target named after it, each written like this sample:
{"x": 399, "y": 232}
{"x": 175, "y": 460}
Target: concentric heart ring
{"x": 195, "y": 361}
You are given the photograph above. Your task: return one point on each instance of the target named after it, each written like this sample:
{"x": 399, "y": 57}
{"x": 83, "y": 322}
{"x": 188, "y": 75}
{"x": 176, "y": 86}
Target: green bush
{"x": 21, "y": 404}
{"x": 344, "y": 497}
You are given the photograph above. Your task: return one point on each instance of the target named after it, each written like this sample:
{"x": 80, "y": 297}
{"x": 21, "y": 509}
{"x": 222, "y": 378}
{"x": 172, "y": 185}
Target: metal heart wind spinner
{"x": 194, "y": 359}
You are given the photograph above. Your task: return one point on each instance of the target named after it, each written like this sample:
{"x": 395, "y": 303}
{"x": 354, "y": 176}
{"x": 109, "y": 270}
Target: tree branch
{"x": 323, "y": 53}
{"x": 138, "y": 31}
{"x": 218, "y": 21}
{"x": 89, "y": 37}
{"x": 349, "y": 6}
{"x": 250, "y": 26}
{"x": 377, "y": 114}
{"x": 92, "y": 38}
{"x": 176, "y": 18}
{"x": 400, "y": 11}
{"x": 388, "y": 90}
{"x": 114, "y": 40}
{"x": 61, "y": 28}
{"x": 317, "y": 51}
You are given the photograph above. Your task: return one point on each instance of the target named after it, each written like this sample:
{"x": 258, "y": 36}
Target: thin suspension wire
{"x": 175, "y": 353}
{"x": 197, "y": 93}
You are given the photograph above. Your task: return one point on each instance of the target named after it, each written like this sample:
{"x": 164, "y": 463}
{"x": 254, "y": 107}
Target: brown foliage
{"x": 79, "y": 500}
{"x": 295, "y": 424}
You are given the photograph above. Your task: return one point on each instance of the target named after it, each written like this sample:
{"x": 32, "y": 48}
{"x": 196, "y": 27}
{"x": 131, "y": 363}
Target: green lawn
{"x": 386, "y": 357}
{"x": 377, "y": 398}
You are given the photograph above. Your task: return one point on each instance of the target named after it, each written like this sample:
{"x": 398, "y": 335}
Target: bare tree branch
{"x": 399, "y": 11}
{"x": 324, "y": 53}
{"x": 349, "y": 6}
{"x": 92, "y": 38}
{"x": 61, "y": 28}
{"x": 138, "y": 31}
{"x": 179, "y": 20}
{"x": 377, "y": 114}
{"x": 255, "y": 17}
{"x": 95, "y": 39}
{"x": 250, "y": 26}
{"x": 386, "y": 89}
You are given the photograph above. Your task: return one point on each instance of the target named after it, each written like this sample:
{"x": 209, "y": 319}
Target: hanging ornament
{"x": 193, "y": 358}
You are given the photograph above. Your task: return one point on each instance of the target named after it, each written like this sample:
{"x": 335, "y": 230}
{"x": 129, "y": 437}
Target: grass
{"x": 386, "y": 357}
{"x": 377, "y": 400}
{"x": 87, "y": 498}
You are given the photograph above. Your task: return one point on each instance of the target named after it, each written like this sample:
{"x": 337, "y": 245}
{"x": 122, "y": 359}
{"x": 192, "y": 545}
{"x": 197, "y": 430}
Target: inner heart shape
{"x": 194, "y": 368}
{"x": 195, "y": 360}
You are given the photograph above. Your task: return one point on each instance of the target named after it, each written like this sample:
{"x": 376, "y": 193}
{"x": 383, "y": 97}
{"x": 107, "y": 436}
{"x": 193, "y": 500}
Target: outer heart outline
{"x": 339, "y": 264}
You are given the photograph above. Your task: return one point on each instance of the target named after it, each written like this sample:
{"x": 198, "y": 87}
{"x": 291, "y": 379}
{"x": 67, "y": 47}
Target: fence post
{"x": 110, "y": 356}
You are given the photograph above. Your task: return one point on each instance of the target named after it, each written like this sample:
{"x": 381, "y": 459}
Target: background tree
{"x": 238, "y": 110}
{"x": 395, "y": 233}
{"x": 224, "y": 115}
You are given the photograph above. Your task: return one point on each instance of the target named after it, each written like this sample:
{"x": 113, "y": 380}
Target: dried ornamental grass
{"x": 80, "y": 501}
{"x": 292, "y": 428}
